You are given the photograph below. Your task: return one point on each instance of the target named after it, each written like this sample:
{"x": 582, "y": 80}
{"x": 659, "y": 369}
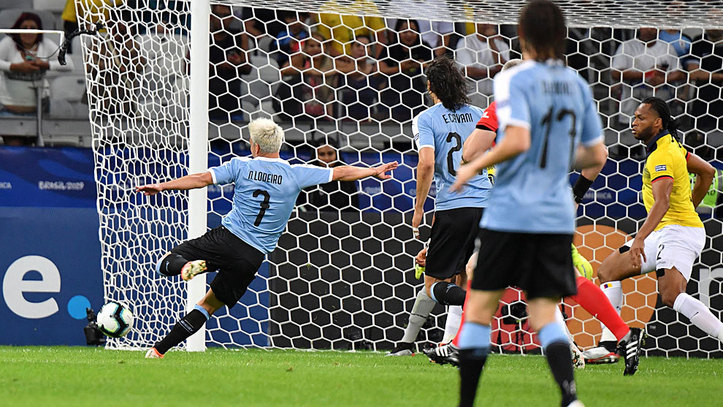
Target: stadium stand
{"x": 590, "y": 51}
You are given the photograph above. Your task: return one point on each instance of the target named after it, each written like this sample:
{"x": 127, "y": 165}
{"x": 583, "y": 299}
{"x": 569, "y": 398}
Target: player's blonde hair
{"x": 267, "y": 134}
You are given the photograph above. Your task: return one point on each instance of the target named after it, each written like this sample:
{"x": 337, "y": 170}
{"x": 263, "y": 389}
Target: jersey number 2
{"x": 458, "y": 145}
{"x": 264, "y": 205}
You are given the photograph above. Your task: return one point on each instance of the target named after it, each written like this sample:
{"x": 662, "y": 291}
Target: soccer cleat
{"x": 402, "y": 349}
{"x": 576, "y": 403}
{"x": 578, "y": 360}
{"x": 192, "y": 269}
{"x": 600, "y": 355}
{"x": 605, "y": 352}
{"x": 629, "y": 348}
{"x": 153, "y": 354}
{"x": 443, "y": 354}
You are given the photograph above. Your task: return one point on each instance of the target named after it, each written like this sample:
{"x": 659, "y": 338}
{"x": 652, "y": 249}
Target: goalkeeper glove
{"x": 418, "y": 271}
{"x": 581, "y": 264}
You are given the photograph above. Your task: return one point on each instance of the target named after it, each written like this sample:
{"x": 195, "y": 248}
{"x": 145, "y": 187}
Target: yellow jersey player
{"x": 672, "y": 236}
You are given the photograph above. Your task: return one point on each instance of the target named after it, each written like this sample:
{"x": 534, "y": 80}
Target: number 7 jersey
{"x": 532, "y": 193}
{"x": 265, "y": 193}
{"x": 445, "y": 131}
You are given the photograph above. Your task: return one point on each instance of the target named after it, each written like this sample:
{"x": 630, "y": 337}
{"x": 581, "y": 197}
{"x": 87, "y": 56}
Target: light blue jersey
{"x": 532, "y": 193}
{"x": 446, "y": 131}
{"x": 264, "y": 196}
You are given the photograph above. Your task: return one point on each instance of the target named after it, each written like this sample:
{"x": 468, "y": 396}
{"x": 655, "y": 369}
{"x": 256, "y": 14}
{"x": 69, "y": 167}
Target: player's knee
{"x": 428, "y": 290}
{"x": 604, "y": 272}
{"x": 668, "y": 296}
{"x": 607, "y": 270}
{"x": 669, "y": 293}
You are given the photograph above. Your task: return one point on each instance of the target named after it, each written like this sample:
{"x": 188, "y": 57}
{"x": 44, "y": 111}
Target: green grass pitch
{"x": 77, "y": 376}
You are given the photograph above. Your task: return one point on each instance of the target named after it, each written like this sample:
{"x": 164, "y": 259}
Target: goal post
{"x": 172, "y": 87}
{"x": 198, "y": 148}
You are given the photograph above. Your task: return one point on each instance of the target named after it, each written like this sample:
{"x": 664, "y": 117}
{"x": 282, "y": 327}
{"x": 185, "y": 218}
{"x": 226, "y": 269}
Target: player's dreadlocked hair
{"x": 447, "y": 83}
{"x": 663, "y": 111}
{"x": 542, "y": 26}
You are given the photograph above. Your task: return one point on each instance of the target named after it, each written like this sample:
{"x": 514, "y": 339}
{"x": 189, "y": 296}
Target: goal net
{"x": 342, "y": 80}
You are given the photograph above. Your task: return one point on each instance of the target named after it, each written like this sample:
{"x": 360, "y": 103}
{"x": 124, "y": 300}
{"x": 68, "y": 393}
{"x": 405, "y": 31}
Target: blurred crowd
{"x": 339, "y": 65}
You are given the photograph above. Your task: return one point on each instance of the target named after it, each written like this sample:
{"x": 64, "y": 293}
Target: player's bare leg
{"x": 188, "y": 325}
{"x": 618, "y": 266}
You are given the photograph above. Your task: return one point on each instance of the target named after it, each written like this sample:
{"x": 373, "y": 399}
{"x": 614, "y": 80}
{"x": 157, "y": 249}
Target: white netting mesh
{"x": 341, "y": 277}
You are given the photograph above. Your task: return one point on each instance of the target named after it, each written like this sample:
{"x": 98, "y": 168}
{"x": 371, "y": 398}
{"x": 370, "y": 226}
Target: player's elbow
{"x": 601, "y": 155}
{"x": 604, "y": 154}
{"x": 708, "y": 171}
{"x": 425, "y": 167}
{"x": 203, "y": 179}
{"x": 520, "y": 145}
{"x": 663, "y": 203}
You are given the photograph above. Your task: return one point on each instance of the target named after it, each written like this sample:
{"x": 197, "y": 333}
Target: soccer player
{"x": 672, "y": 236}
{"x": 544, "y": 110}
{"x": 439, "y": 132}
{"x": 589, "y": 295}
{"x": 265, "y": 191}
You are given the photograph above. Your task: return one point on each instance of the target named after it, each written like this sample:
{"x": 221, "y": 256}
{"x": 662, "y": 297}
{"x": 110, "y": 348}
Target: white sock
{"x": 423, "y": 305}
{"x": 454, "y": 318}
{"x": 561, "y": 320}
{"x": 699, "y": 315}
{"x": 614, "y": 291}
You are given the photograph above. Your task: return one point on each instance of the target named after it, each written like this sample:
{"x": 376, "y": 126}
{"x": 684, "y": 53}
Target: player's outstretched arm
{"x": 351, "y": 173}
{"x": 516, "y": 141}
{"x": 192, "y": 181}
{"x": 704, "y": 177}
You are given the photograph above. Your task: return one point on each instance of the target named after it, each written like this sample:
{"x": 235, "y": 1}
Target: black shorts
{"x": 538, "y": 263}
{"x": 451, "y": 241}
{"x": 235, "y": 261}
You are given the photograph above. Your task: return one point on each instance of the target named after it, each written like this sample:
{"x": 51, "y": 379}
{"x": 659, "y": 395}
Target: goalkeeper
{"x": 265, "y": 191}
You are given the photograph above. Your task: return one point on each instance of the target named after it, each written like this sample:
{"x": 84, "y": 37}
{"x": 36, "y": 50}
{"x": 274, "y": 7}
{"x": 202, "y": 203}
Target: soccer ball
{"x": 115, "y": 319}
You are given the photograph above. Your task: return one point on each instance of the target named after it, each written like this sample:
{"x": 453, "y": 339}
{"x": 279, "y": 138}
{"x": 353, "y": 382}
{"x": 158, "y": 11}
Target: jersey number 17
{"x": 547, "y": 123}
